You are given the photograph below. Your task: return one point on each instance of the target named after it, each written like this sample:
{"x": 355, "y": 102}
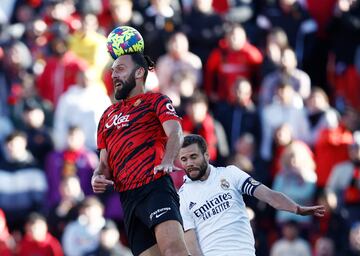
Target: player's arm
{"x": 101, "y": 176}
{"x": 192, "y": 243}
{"x": 282, "y": 202}
{"x": 173, "y": 131}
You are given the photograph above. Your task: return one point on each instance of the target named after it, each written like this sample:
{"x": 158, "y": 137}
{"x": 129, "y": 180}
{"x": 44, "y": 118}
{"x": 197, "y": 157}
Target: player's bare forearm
{"x": 173, "y": 131}
{"x": 172, "y": 147}
{"x": 103, "y": 167}
{"x": 101, "y": 176}
{"x": 282, "y": 202}
{"x": 192, "y": 243}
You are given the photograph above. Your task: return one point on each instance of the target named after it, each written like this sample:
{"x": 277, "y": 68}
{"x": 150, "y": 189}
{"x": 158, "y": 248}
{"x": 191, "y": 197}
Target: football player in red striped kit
{"x": 139, "y": 138}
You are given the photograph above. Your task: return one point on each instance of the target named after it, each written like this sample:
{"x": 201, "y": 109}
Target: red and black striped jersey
{"x": 131, "y": 131}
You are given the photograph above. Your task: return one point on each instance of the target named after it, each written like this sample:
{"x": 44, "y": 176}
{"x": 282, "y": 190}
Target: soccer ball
{"x": 124, "y": 40}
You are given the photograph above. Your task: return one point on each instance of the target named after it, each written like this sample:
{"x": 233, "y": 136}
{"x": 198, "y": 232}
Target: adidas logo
{"x": 191, "y": 205}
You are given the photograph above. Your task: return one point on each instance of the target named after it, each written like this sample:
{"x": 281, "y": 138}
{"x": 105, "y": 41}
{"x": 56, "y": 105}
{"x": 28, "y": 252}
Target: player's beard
{"x": 127, "y": 87}
{"x": 202, "y": 170}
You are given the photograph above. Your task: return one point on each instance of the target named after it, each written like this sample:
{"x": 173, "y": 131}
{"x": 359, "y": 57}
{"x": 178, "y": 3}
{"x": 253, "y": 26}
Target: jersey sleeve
{"x": 188, "y": 221}
{"x": 100, "y": 132}
{"x": 164, "y": 109}
{"x": 243, "y": 181}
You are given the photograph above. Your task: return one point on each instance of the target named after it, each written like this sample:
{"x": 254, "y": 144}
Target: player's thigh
{"x": 152, "y": 251}
{"x": 170, "y": 237}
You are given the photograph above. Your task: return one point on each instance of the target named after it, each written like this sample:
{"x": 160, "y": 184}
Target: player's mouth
{"x": 118, "y": 84}
{"x": 192, "y": 170}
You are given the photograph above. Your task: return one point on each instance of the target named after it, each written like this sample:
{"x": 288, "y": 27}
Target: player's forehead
{"x": 189, "y": 150}
{"x": 125, "y": 61}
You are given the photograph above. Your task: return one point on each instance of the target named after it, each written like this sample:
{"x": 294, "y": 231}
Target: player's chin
{"x": 194, "y": 175}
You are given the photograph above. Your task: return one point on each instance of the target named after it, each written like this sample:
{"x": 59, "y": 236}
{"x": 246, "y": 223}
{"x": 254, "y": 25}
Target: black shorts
{"x": 147, "y": 206}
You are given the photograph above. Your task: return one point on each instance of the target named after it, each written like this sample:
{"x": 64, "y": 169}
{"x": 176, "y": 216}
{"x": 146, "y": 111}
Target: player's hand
{"x": 317, "y": 210}
{"x": 99, "y": 183}
{"x": 167, "y": 168}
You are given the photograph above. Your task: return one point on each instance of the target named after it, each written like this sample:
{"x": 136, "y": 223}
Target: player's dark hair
{"x": 143, "y": 61}
{"x": 195, "y": 139}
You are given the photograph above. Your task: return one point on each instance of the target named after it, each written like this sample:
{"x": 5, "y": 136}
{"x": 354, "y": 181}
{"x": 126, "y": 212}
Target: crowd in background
{"x": 272, "y": 85}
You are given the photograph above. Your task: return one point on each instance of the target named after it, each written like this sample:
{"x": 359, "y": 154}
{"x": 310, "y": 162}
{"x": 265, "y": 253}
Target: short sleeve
{"x": 242, "y": 181}
{"x": 164, "y": 109}
{"x": 188, "y": 221}
{"x": 100, "y": 132}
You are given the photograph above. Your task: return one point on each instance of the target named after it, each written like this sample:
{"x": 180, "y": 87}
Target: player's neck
{"x": 206, "y": 175}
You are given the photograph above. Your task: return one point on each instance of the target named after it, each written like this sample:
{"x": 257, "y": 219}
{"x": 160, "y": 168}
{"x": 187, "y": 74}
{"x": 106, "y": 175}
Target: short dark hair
{"x": 14, "y": 135}
{"x": 195, "y": 139}
{"x": 143, "y": 61}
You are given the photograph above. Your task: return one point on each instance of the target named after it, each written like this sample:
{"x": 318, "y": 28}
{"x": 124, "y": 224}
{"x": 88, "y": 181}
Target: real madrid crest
{"x": 137, "y": 103}
{"x": 224, "y": 184}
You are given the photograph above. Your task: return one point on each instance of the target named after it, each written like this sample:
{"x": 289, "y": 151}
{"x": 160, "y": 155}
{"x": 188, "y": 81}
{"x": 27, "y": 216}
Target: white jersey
{"x": 215, "y": 209}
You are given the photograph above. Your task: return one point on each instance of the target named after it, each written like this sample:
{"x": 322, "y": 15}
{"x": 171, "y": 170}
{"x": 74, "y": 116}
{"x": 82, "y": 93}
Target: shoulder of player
{"x": 155, "y": 95}
{"x": 232, "y": 170}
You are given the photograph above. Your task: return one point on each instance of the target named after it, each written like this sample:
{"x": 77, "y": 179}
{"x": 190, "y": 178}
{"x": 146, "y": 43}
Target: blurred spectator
{"x": 197, "y": 120}
{"x": 66, "y": 209}
{"x": 295, "y": 21}
{"x": 178, "y": 59}
{"x": 332, "y": 145}
{"x": 63, "y": 11}
{"x": 320, "y": 114}
{"x": 75, "y": 159}
{"x": 120, "y": 13}
{"x": 110, "y": 244}
{"x": 7, "y": 242}
{"x": 316, "y": 63}
{"x": 28, "y": 95}
{"x": 243, "y": 155}
{"x": 37, "y": 240}
{"x": 23, "y": 184}
{"x": 14, "y": 68}
{"x": 279, "y": 112}
{"x": 61, "y": 68}
{"x": 297, "y": 179}
{"x": 241, "y": 116}
{"x": 38, "y": 136}
{"x": 276, "y": 42}
{"x": 291, "y": 243}
{"x": 354, "y": 240}
{"x": 89, "y": 45}
{"x": 345, "y": 39}
{"x": 334, "y": 223}
{"x": 203, "y": 27}
{"x": 185, "y": 84}
{"x": 324, "y": 247}
{"x": 76, "y": 108}
{"x": 83, "y": 235}
{"x": 282, "y": 138}
{"x": 161, "y": 19}
{"x": 288, "y": 72}
{"x": 344, "y": 181}
{"x": 235, "y": 57}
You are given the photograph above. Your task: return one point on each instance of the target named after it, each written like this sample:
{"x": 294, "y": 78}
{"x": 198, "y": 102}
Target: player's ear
{"x": 139, "y": 73}
{"x": 207, "y": 156}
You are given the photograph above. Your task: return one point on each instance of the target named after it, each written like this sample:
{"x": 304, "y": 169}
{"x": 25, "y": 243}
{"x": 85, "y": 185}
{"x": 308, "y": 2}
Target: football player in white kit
{"x": 212, "y": 207}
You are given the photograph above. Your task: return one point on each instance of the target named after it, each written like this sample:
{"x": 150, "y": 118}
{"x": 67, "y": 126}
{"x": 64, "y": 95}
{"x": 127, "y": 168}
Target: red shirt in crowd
{"x": 59, "y": 74}
{"x": 49, "y": 247}
{"x": 330, "y": 149}
{"x": 224, "y": 66}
